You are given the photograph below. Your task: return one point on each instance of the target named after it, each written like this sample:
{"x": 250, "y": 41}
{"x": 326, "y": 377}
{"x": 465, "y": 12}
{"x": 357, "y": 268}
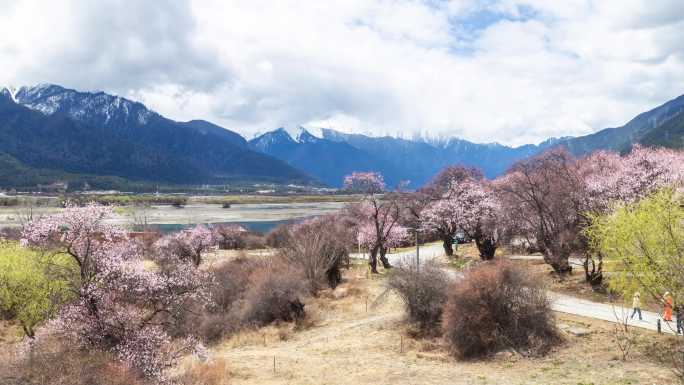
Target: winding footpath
{"x": 559, "y": 302}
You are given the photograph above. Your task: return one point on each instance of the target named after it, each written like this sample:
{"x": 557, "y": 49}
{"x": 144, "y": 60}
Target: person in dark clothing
{"x": 679, "y": 312}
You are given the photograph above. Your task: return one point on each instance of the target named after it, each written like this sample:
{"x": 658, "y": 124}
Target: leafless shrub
{"x": 625, "y": 337}
{"x": 278, "y": 237}
{"x": 318, "y": 247}
{"x": 423, "y": 291}
{"x": 252, "y": 241}
{"x": 231, "y": 281}
{"x": 274, "y": 295}
{"x": 245, "y": 292}
{"x": 10, "y": 233}
{"x": 497, "y": 306}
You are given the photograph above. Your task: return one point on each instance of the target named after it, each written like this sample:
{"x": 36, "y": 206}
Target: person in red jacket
{"x": 667, "y": 307}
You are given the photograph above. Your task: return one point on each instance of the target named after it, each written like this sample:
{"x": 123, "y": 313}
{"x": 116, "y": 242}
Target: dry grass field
{"x": 357, "y": 335}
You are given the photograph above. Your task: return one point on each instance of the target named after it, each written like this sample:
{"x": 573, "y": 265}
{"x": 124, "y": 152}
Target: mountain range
{"x": 49, "y": 133}
{"x": 49, "y": 128}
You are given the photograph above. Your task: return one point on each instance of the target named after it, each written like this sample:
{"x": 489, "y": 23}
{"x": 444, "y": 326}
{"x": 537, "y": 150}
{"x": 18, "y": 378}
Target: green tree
{"x": 32, "y": 286}
{"x": 646, "y": 240}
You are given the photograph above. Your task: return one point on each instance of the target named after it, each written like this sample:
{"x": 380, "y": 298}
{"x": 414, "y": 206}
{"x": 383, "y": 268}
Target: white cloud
{"x": 512, "y": 71}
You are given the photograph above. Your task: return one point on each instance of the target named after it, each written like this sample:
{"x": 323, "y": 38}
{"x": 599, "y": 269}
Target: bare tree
{"x": 545, "y": 193}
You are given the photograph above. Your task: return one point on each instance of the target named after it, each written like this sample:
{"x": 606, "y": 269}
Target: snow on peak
{"x": 84, "y": 106}
{"x": 10, "y": 91}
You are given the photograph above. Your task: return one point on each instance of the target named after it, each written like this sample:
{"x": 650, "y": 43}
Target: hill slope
{"x": 661, "y": 126}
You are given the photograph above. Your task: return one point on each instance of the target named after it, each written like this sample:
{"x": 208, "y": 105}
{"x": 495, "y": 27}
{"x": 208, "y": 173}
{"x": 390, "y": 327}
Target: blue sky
{"x": 512, "y": 71}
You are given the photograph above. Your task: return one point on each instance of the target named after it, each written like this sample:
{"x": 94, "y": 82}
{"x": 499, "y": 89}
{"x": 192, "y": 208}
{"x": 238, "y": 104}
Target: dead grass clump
{"x": 424, "y": 293}
{"x": 214, "y": 372}
{"x": 56, "y": 363}
{"x": 498, "y": 306}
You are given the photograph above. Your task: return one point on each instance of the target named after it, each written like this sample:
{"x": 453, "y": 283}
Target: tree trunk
{"x": 383, "y": 258}
{"x": 448, "y": 243}
{"x": 373, "y": 259}
{"x": 594, "y": 276}
{"x": 558, "y": 261}
{"x": 487, "y": 248}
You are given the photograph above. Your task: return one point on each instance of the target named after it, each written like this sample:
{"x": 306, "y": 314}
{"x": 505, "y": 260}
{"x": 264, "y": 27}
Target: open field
{"x": 193, "y": 213}
{"x": 346, "y": 342}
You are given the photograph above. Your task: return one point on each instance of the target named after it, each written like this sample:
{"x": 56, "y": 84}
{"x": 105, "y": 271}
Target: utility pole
{"x": 417, "y": 253}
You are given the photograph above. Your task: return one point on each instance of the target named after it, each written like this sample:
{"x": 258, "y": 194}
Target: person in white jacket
{"x": 636, "y": 305}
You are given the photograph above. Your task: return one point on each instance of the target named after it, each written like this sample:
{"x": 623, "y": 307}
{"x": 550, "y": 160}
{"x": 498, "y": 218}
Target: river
{"x": 260, "y": 217}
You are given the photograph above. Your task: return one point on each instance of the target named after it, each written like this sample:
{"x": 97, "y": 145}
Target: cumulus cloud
{"x": 513, "y": 71}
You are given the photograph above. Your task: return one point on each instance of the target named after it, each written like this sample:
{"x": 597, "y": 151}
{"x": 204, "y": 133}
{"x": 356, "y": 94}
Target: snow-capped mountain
{"x": 101, "y": 134}
{"x": 99, "y": 107}
{"x": 329, "y": 161}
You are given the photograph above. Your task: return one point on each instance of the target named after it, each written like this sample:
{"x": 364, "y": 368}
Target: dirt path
{"x": 559, "y": 302}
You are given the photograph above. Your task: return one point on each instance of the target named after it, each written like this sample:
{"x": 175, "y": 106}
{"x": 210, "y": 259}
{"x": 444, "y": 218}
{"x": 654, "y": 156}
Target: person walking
{"x": 667, "y": 307}
{"x": 636, "y": 305}
{"x": 679, "y": 312}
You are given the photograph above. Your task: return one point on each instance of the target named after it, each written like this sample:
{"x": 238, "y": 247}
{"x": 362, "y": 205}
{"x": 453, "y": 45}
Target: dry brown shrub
{"x": 274, "y": 294}
{"x": 498, "y": 306}
{"x": 10, "y": 233}
{"x": 319, "y": 247}
{"x": 423, "y": 291}
{"x": 278, "y": 237}
{"x": 246, "y": 292}
{"x": 253, "y": 241}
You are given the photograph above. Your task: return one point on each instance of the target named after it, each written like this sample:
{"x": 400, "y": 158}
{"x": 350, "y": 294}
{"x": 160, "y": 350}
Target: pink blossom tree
{"x": 120, "y": 305}
{"x": 364, "y": 183}
{"x": 379, "y": 229}
{"x": 229, "y": 236}
{"x": 482, "y": 217}
{"x": 439, "y": 185}
{"x": 469, "y": 206}
{"x": 378, "y": 218}
{"x": 188, "y": 244}
{"x": 442, "y": 217}
{"x": 612, "y": 179}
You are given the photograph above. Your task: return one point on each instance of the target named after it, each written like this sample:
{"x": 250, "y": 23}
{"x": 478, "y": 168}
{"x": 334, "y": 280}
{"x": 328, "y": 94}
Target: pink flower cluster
{"x": 610, "y": 177}
{"x": 465, "y": 206}
{"x": 378, "y": 224}
{"x": 188, "y": 244}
